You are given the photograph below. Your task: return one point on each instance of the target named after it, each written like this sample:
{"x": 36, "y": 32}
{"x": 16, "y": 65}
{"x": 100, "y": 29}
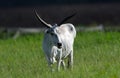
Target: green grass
{"x": 96, "y": 55}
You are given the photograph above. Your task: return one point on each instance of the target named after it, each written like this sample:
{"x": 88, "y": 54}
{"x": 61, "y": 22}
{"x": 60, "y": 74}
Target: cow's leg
{"x": 59, "y": 59}
{"x": 49, "y": 64}
{"x": 58, "y": 65}
{"x": 63, "y": 64}
{"x": 70, "y": 60}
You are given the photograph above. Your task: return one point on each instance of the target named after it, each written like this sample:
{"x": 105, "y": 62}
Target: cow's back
{"x": 68, "y": 38}
{"x": 70, "y": 28}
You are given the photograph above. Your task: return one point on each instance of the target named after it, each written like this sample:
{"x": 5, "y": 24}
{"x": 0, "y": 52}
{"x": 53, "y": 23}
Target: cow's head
{"x": 54, "y": 31}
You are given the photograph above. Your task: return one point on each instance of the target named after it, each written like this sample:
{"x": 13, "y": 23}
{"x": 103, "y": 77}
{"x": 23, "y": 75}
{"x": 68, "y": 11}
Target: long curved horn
{"x": 41, "y": 20}
{"x": 65, "y": 19}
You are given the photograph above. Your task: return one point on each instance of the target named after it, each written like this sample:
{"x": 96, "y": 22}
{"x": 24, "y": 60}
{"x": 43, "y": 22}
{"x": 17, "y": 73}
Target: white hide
{"x": 63, "y": 34}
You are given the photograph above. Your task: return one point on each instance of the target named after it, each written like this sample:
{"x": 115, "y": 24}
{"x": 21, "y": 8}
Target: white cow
{"x": 58, "y": 43}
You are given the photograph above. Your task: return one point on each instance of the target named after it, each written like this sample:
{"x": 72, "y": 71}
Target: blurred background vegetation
{"x": 13, "y": 3}
{"x": 20, "y": 13}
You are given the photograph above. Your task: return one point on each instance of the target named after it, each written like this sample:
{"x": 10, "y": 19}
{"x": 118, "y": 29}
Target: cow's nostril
{"x": 59, "y": 45}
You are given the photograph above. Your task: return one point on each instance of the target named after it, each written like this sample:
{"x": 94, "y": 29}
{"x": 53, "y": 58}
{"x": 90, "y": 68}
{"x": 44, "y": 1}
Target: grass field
{"x": 96, "y": 55}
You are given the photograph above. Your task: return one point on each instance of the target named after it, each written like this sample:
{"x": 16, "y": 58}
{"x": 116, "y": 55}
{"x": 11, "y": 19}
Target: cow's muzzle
{"x": 59, "y": 45}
